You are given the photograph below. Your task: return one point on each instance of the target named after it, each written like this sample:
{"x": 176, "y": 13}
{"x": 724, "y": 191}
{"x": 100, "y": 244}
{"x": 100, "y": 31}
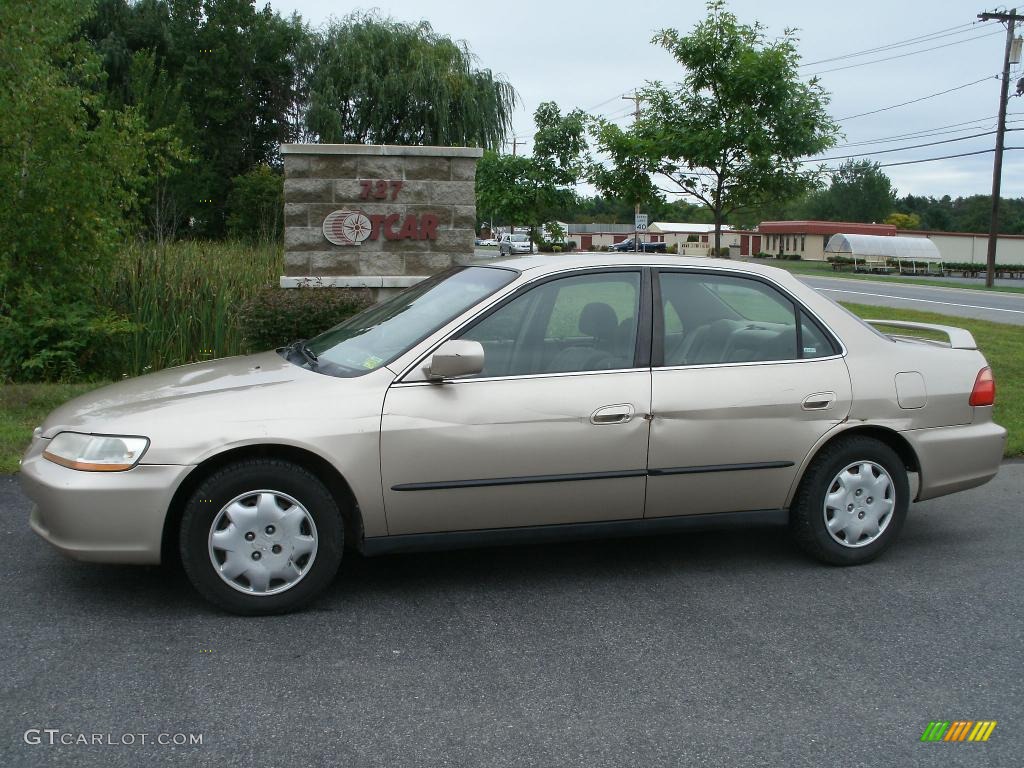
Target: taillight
{"x": 984, "y": 392}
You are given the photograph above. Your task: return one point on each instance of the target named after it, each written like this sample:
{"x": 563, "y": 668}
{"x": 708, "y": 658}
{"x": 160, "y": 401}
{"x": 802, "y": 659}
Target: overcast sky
{"x": 588, "y": 53}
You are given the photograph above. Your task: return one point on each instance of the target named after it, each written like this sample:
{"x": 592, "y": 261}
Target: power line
{"x": 904, "y": 55}
{"x": 925, "y": 38}
{"x": 915, "y": 101}
{"x": 944, "y": 157}
{"x": 902, "y": 149}
{"x": 919, "y": 134}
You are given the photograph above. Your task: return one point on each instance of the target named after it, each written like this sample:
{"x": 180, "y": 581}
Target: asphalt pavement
{"x": 717, "y": 648}
{"x": 1000, "y": 307}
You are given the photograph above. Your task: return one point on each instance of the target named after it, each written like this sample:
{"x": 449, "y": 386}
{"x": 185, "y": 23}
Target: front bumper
{"x": 105, "y": 517}
{"x": 956, "y": 458}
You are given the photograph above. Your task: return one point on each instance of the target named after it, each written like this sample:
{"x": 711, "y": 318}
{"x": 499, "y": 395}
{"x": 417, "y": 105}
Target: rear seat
{"x": 734, "y": 341}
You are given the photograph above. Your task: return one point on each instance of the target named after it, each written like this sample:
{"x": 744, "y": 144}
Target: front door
{"x": 554, "y": 429}
{"x": 745, "y": 383}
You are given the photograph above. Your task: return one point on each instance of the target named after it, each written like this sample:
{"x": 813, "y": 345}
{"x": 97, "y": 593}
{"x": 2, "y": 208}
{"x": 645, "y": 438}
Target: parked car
{"x": 525, "y": 400}
{"x": 509, "y": 245}
{"x": 488, "y": 242}
{"x": 628, "y": 245}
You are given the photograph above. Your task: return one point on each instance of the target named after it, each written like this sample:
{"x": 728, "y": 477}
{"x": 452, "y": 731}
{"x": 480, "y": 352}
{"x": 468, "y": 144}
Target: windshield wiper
{"x": 300, "y": 346}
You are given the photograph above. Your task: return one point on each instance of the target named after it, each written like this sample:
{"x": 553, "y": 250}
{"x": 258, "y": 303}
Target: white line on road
{"x": 886, "y": 284}
{"x": 925, "y": 301}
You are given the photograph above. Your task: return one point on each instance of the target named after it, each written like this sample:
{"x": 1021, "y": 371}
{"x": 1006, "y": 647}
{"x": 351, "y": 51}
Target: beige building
{"x": 807, "y": 239}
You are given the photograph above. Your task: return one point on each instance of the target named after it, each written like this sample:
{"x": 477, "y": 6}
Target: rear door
{"x": 745, "y": 382}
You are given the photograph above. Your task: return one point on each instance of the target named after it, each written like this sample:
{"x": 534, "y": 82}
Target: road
{"x": 719, "y": 649}
{"x": 1000, "y": 307}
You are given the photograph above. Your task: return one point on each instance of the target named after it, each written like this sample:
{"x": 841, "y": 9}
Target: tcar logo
{"x": 353, "y": 227}
{"x": 346, "y": 227}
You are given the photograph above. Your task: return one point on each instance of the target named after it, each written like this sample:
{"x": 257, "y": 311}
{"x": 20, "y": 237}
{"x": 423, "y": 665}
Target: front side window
{"x": 381, "y": 333}
{"x": 712, "y": 319}
{"x": 571, "y": 324}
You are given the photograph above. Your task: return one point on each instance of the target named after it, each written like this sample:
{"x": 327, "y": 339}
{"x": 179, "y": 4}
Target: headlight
{"x": 96, "y": 453}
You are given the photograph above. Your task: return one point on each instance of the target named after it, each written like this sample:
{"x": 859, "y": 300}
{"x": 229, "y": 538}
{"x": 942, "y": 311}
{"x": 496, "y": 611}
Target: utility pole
{"x": 636, "y": 98}
{"x": 997, "y": 163}
{"x": 515, "y": 146}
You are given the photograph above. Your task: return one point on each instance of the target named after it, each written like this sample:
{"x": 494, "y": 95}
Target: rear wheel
{"x": 851, "y": 503}
{"x": 261, "y": 537}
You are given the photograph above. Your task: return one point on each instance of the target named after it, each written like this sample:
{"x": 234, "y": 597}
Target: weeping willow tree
{"x": 379, "y": 81}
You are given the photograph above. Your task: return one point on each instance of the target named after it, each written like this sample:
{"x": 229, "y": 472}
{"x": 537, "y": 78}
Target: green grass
{"x": 22, "y": 409}
{"x": 824, "y": 269}
{"x": 24, "y": 406}
{"x": 1002, "y": 345}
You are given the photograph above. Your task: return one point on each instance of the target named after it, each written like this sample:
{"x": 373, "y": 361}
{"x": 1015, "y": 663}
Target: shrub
{"x": 571, "y": 245}
{"x": 674, "y": 248}
{"x": 556, "y": 248}
{"x": 763, "y": 255}
{"x": 692, "y": 239}
{"x": 274, "y": 317}
{"x": 256, "y": 205}
{"x": 46, "y": 340}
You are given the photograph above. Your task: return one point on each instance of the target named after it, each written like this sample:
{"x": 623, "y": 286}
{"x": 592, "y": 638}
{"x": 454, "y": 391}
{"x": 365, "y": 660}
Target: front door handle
{"x": 612, "y": 414}
{"x": 819, "y": 401}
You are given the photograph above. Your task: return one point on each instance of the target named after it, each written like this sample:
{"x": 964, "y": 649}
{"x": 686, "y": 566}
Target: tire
{"x": 261, "y": 537}
{"x": 858, "y": 488}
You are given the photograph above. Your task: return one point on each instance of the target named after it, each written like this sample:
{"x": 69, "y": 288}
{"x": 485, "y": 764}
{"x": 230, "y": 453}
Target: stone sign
{"x": 381, "y": 217}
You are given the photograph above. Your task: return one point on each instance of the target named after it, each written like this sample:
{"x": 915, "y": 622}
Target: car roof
{"x": 544, "y": 263}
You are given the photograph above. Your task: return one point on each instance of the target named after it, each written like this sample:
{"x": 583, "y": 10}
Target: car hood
{"x": 194, "y": 411}
{"x": 175, "y": 388}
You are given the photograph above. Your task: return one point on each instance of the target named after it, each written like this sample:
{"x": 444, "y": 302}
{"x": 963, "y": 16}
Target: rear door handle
{"x": 621, "y": 413}
{"x": 819, "y": 401}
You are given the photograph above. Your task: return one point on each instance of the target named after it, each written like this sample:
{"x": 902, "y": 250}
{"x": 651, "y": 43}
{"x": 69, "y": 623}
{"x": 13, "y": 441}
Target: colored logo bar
{"x": 958, "y": 730}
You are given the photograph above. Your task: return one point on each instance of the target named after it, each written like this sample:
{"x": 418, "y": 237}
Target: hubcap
{"x": 262, "y": 542}
{"x": 859, "y": 504}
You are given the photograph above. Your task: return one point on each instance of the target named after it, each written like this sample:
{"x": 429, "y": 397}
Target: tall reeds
{"x": 182, "y": 299}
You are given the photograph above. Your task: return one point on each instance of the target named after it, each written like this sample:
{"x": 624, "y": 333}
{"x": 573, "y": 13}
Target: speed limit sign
{"x": 641, "y": 222}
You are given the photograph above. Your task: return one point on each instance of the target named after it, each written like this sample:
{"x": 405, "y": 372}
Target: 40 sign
{"x": 353, "y": 227}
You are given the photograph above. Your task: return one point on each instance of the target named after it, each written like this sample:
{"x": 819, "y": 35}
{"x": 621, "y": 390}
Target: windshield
{"x": 378, "y": 335}
{"x": 518, "y": 238}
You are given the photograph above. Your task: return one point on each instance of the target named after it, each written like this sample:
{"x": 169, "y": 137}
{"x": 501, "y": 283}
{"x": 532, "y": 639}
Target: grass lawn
{"x": 23, "y": 406}
{"x": 824, "y": 269}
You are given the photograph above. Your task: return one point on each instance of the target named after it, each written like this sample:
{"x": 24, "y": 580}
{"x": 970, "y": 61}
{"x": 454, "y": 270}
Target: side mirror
{"x": 455, "y": 358}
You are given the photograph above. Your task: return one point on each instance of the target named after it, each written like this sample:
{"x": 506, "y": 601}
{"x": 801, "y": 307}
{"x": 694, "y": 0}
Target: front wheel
{"x": 261, "y": 537}
{"x": 851, "y": 503}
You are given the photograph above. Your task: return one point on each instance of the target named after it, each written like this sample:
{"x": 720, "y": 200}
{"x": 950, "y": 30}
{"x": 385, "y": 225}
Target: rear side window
{"x": 813, "y": 341}
{"x": 714, "y": 319}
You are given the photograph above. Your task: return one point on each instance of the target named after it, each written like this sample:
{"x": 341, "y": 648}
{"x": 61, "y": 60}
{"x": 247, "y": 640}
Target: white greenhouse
{"x": 877, "y": 251}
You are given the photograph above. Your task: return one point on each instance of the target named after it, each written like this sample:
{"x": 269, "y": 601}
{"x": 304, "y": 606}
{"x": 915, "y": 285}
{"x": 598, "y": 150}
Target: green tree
{"x": 904, "y": 220}
{"x": 532, "y": 190}
{"x": 256, "y": 205}
{"x": 860, "y": 191}
{"x": 69, "y": 169}
{"x": 730, "y": 135}
{"x": 221, "y": 80}
{"x": 380, "y": 81}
